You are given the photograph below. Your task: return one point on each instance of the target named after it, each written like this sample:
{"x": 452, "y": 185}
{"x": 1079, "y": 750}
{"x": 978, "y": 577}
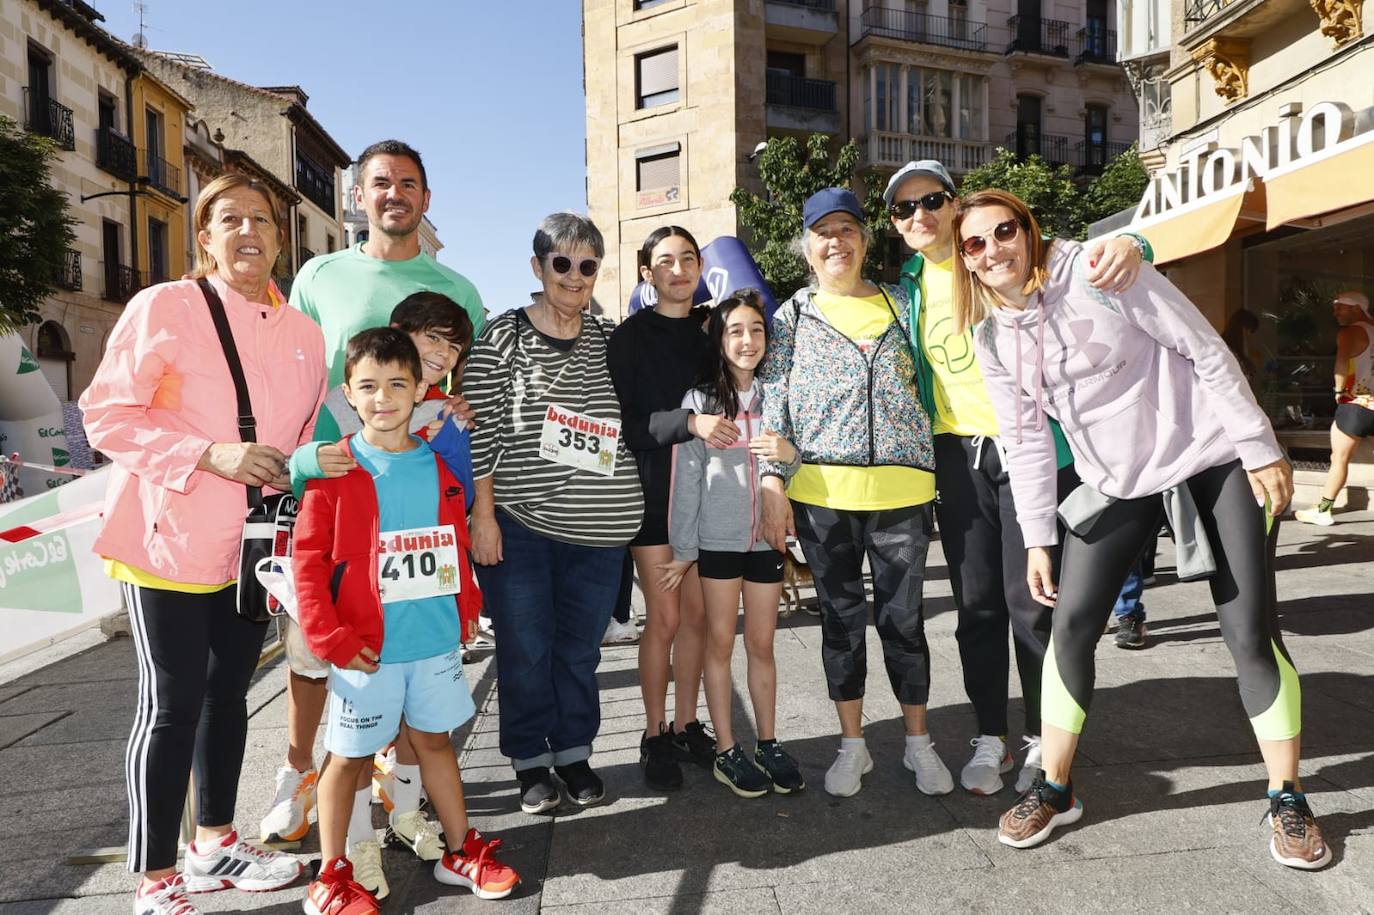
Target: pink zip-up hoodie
{"x": 1143, "y": 387}
{"x": 163, "y": 394}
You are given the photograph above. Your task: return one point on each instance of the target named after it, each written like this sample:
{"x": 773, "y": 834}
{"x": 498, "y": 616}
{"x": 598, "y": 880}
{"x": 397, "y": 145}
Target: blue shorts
{"x": 365, "y": 709}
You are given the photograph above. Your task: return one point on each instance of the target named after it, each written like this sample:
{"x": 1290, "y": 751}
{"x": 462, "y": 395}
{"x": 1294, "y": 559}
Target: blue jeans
{"x": 550, "y": 603}
{"x": 1128, "y": 603}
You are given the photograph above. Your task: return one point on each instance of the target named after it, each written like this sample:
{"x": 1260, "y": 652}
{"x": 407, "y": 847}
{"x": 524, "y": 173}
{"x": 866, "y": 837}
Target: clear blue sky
{"x": 489, "y": 93}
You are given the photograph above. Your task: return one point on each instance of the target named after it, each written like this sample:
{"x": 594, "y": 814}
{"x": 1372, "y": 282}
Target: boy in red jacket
{"x": 380, "y": 557}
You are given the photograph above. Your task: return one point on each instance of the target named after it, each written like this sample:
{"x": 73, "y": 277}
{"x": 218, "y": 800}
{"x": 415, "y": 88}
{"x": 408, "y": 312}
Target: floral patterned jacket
{"x": 836, "y": 403}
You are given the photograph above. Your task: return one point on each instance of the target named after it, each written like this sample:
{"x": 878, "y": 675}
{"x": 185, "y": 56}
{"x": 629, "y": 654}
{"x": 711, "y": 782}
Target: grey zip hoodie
{"x": 1142, "y": 385}
{"x": 714, "y": 502}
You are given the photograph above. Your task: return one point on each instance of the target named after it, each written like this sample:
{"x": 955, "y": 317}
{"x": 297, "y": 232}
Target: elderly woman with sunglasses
{"x": 1160, "y": 419}
{"x": 557, "y": 500}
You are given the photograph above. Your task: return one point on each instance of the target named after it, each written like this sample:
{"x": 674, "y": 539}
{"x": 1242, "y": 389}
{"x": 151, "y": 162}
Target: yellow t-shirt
{"x": 126, "y": 573}
{"x": 961, "y": 401}
{"x": 863, "y": 320}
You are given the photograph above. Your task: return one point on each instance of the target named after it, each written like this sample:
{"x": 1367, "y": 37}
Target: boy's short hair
{"x": 386, "y": 346}
{"x": 422, "y": 312}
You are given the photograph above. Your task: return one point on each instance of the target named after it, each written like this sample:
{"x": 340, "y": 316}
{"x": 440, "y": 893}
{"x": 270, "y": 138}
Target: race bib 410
{"x": 417, "y": 563}
{"x": 578, "y": 440}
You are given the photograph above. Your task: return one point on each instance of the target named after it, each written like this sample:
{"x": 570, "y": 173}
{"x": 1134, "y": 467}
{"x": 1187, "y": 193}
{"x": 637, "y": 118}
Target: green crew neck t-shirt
{"x": 349, "y": 291}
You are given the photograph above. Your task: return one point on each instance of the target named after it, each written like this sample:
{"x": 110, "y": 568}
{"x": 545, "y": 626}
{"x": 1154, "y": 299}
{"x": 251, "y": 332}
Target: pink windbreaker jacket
{"x": 163, "y": 394}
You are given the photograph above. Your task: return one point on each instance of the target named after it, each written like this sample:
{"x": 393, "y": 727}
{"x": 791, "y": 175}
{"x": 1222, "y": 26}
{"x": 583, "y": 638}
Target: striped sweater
{"x": 513, "y": 376}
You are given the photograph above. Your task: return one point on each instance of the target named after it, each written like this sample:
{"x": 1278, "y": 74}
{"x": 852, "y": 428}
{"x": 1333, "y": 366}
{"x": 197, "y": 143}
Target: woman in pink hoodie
{"x": 1159, "y": 418}
{"x": 162, "y": 407}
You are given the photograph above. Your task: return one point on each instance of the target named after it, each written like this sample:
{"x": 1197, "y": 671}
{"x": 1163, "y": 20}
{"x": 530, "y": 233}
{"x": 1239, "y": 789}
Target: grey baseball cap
{"x": 927, "y": 167}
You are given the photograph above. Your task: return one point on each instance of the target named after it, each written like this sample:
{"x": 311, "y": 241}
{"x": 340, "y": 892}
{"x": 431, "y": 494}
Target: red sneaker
{"x": 336, "y": 893}
{"x": 476, "y": 868}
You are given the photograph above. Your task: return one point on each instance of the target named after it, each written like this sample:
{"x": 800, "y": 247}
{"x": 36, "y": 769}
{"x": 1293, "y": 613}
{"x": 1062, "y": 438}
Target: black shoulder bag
{"x": 270, "y": 520}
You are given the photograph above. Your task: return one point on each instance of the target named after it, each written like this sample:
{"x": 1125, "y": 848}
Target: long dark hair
{"x": 646, "y": 250}
{"x": 714, "y": 380}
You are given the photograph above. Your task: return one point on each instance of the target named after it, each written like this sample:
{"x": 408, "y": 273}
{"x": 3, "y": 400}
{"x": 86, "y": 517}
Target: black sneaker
{"x": 538, "y": 793}
{"x": 734, "y": 770}
{"x": 656, "y": 757}
{"x": 779, "y": 766}
{"x": 694, "y": 743}
{"x": 1131, "y": 631}
{"x": 584, "y": 786}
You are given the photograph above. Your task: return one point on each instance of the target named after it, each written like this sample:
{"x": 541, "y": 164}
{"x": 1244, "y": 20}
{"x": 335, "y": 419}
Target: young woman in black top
{"x": 654, "y": 356}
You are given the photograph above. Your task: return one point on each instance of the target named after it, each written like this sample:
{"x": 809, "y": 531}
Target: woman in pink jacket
{"x": 1160, "y": 419}
{"x": 162, "y": 407}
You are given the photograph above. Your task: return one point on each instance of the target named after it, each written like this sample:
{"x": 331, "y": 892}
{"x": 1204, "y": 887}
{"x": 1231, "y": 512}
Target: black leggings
{"x": 1096, "y": 565}
{"x": 196, "y": 657}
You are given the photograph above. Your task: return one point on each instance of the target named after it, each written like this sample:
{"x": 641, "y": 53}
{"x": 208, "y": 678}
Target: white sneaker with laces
{"x": 1313, "y": 516}
{"x": 618, "y": 633}
{"x": 1031, "y": 767}
{"x": 932, "y": 776}
{"x": 411, "y": 830}
{"x": 234, "y": 863}
{"x": 366, "y": 858}
{"x": 845, "y": 776}
{"x": 289, "y": 818}
{"x": 983, "y": 773}
{"x": 168, "y": 899}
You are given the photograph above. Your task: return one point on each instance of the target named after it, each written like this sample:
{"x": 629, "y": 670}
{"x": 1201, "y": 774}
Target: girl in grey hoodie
{"x": 714, "y": 521}
{"x": 1159, "y": 418}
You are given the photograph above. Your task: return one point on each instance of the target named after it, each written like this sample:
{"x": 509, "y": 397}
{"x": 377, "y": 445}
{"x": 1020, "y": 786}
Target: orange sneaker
{"x": 476, "y": 868}
{"x": 336, "y": 893}
{"x": 1296, "y": 840}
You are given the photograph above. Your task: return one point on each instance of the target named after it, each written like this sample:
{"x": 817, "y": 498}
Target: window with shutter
{"x": 656, "y": 81}
{"x": 658, "y": 175}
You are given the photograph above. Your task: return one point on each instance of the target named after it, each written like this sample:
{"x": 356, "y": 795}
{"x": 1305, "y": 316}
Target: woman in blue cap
{"x": 839, "y": 384}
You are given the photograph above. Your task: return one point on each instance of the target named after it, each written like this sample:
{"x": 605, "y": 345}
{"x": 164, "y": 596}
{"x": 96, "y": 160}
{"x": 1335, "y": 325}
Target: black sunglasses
{"x": 905, "y": 209}
{"x": 1003, "y": 232}
{"x": 562, "y": 263}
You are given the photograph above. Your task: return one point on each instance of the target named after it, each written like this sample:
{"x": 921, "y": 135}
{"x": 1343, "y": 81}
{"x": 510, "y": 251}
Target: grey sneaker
{"x": 1131, "y": 632}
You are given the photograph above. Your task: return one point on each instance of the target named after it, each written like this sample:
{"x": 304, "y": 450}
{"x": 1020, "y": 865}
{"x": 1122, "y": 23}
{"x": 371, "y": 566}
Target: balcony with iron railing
{"x": 115, "y": 154}
{"x": 886, "y": 149}
{"x": 804, "y": 21}
{"x": 1054, "y": 149}
{"x": 1245, "y": 19}
{"x": 162, "y": 175}
{"x": 801, "y": 104}
{"x": 47, "y": 117}
{"x": 121, "y": 282}
{"x": 1096, "y": 45}
{"x": 1195, "y": 12}
{"x": 1093, "y": 157}
{"x": 825, "y": 6}
{"x": 1033, "y": 35}
{"x": 315, "y": 182}
{"x": 69, "y": 272}
{"x": 904, "y": 25}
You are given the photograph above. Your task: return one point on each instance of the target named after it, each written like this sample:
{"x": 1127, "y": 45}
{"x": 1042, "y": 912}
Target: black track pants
{"x": 196, "y": 657}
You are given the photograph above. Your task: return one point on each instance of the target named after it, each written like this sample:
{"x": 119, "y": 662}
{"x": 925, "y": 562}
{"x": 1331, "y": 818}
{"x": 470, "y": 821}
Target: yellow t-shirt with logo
{"x": 863, "y": 320}
{"x": 961, "y": 401}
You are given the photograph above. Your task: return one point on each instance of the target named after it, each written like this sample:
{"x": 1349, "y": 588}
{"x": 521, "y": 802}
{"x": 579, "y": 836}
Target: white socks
{"x": 360, "y": 821}
{"x": 405, "y": 788}
{"x": 852, "y": 743}
{"x": 915, "y": 742}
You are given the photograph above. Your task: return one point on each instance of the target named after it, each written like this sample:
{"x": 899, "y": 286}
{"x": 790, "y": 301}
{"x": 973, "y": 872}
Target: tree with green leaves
{"x": 35, "y": 227}
{"x": 1120, "y": 185}
{"x": 773, "y": 223}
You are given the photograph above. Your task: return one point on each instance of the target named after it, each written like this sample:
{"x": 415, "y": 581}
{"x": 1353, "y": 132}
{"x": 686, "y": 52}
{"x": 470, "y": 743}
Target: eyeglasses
{"x": 1003, "y": 232}
{"x": 562, "y": 263}
{"x": 905, "y": 209}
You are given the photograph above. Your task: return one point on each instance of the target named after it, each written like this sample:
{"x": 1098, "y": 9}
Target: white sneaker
{"x": 983, "y": 773}
{"x": 845, "y": 776}
{"x": 1312, "y": 516}
{"x": 168, "y": 899}
{"x": 239, "y": 865}
{"x": 932, "y": 777}
{"x": 411, "y": 830}
{"x": 366, "y": 858}
{"x": 289, "y": 818}
{"x": 618, "y": 633}
{"x": 1031, "y": 767}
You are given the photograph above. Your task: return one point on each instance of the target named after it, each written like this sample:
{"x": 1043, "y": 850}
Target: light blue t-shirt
{"x": 408, "y": 493}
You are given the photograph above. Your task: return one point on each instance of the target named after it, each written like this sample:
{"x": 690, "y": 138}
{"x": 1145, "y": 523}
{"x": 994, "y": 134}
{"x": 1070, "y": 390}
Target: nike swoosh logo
{"x": 404, "y": 781}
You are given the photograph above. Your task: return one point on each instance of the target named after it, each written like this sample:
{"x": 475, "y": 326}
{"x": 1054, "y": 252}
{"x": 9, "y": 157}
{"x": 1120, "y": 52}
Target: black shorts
{"x": 1354, "y": 420}
{"x": 652, "y": 532}
{"x": 762, "y": 567}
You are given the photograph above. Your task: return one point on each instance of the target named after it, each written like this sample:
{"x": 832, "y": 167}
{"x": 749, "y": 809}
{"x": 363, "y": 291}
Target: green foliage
{"x": 791, "y": 174}
{"x": 35, "y": 227}
{"x": 1064, "y": 206}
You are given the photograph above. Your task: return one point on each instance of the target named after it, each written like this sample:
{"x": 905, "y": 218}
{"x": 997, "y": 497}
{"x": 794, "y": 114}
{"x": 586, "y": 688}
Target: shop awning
{"x": 1332, "y": 179}
{"x": 1200, "y": 225}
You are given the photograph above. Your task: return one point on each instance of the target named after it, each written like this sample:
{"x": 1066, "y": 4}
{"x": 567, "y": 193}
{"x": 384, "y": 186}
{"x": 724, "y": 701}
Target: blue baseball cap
{"x": 928, "y": 168}
{"x": 830, "y": 200}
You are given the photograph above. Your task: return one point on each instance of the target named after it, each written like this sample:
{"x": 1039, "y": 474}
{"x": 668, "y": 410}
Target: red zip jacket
{"x": 334, "y": 559}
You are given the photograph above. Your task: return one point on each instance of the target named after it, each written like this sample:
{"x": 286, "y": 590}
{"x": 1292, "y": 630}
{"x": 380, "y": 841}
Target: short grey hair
{"x": 566, "y": 232}
{"x": 798, "y": 246}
